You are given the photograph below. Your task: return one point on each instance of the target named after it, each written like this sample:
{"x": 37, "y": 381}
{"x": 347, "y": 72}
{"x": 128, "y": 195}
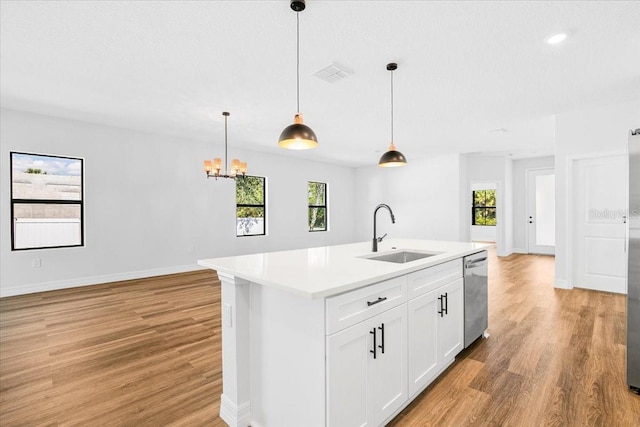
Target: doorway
{"x": 541, "y": 211}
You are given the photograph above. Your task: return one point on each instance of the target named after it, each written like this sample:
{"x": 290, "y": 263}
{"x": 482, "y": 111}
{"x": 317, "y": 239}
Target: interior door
{"x": 599, "y": 200}
{"x": 541, "y": 215}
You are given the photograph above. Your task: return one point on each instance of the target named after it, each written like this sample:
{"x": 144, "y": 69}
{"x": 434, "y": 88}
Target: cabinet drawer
{"x": 352, "y": 307}
{"x": 423, "y": 281}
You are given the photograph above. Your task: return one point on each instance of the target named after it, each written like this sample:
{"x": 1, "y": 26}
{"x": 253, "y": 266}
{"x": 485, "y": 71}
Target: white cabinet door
{"x": 435, "y": 333}
{"x": 390, "y": 372}
{"x": 422, "y": 340}
{"x": 363, "y": 390}
{"x": 349, "y": 376}
{"x": 451, "y": 323}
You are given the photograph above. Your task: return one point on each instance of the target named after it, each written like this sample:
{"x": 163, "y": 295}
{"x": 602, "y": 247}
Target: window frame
{"x": 14, "y": 201}
{"x": 325, "y": 206}
{"x": 484, "y": 208}
{"x": 250, "y": 205}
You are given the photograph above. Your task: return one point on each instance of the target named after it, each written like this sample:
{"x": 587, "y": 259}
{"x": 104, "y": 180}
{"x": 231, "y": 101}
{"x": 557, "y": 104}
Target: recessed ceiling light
{"x": 556, "y": 38}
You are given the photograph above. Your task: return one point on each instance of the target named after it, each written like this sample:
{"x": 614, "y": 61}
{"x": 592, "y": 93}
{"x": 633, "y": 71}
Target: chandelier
{"x": 213, "y": 168}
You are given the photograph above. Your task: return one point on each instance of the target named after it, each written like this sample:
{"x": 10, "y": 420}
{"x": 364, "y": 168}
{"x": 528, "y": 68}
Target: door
{"x": 451, "y": 329}
{"x": 422, "y": 341}
{"x": 390, "y": 372}
{"x": 349, "y": 376}
{"x": 541, "y": 215}
{"x": 598, "y": 210}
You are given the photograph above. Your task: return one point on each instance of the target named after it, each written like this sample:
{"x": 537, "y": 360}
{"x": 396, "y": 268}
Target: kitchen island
{"x": 329, "y": 336}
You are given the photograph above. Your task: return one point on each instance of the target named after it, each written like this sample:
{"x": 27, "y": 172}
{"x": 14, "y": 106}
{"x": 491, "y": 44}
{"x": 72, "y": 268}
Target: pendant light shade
{"x": 392, "y": 158}
{"x": 298, "y": 136}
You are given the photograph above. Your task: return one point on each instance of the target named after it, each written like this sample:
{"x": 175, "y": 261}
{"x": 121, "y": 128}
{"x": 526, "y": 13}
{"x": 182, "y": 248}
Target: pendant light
{"x": 392, "y": 158}
{"x": 298, "y": 136}
{"x": 214, "y": 168}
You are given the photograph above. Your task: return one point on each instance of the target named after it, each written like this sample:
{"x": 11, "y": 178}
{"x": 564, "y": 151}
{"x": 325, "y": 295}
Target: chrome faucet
{"x": 393, "y": 220}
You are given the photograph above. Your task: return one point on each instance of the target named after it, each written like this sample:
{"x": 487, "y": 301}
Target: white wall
{"x": 464, "y": 202}
{"x": 431, "y": 198}
{"x": 507, "y": 247}
{"x": 424, "y": 196}
{"x": 520, "y": 167}
{"x": 149, "y": 208}
{"x": 595, "y": 130}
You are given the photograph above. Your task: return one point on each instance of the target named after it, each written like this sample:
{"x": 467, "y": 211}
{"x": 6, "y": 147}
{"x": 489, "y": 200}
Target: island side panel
{"x": 235, "y": 405}
{"x": 287, "y": 359}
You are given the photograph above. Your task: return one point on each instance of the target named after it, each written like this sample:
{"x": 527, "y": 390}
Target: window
{"x": 484, "y": 207}
{"x": 250, "y": 206}
{"x": 46, "y": 201}
{"x": 317, "y": 206}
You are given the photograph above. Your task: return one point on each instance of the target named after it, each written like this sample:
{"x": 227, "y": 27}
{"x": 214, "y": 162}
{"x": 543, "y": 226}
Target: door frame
{"x": 528, "y": 197}
{"x": 570, "y": 226}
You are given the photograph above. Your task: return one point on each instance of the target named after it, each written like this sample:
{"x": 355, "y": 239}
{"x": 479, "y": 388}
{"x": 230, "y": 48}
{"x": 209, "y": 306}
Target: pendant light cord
{"x": 392, "y": 107}
{"x": 298, "y": 59}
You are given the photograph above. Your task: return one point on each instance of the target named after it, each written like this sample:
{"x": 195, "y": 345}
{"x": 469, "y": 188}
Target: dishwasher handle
{"x": 476, "y": 263}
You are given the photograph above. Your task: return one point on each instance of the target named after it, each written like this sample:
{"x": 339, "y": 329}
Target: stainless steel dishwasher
{"x": 476, "y": 308}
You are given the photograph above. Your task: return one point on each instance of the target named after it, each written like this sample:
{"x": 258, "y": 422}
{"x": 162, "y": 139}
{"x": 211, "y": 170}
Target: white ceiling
{"x": 465, "y": 69}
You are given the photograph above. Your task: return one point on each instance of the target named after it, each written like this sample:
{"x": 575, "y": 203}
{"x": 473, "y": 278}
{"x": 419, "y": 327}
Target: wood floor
{"x": 147, "y": 353}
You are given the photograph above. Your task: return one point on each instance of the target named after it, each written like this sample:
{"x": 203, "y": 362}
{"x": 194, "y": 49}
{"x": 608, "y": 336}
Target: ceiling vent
{"x": 332, "y": 73}
{"x": 498, "y": 130}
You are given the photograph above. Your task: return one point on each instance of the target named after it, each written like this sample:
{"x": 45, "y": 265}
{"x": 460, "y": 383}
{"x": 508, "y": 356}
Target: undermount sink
{"x": 401, "y": 257}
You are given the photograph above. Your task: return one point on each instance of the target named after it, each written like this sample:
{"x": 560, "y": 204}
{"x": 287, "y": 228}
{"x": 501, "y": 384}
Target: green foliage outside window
{"x": 250, "y": 206}
{"x": 484, "y": 207}
{"x": 35, "y": 171}
{"x": 317, "y": 206}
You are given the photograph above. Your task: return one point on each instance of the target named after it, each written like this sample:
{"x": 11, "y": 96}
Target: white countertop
{"x": 331, "y": 270}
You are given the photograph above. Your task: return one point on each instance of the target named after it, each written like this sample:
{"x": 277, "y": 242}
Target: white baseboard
{"x": 8, "y": 291}
{"x": 235, "y": 415}
{"x": 520, "y": 251}
{"x": 562, "y": 284}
